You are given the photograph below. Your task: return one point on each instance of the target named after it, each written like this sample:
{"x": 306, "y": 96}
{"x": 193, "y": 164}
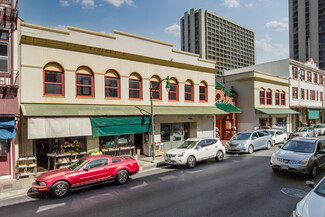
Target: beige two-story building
{"x": 263, "y": 99}
{"x": 91, "y": 90}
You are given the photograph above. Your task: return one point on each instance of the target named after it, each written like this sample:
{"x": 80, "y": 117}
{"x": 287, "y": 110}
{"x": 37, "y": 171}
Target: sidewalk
{"x": 11, "y": 187}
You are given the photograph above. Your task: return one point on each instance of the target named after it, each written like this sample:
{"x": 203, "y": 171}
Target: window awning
{"x": 227, "y": 107}
{"x": 277, "y": 111}
{"x": 108, "y": 126}
{"x": 77, "y": 110}
{"x": 7, "y": 128}
{"x": 39, "y": 128}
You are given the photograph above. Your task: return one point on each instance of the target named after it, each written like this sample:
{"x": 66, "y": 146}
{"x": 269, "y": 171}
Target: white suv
{"x": 195, "y": 149}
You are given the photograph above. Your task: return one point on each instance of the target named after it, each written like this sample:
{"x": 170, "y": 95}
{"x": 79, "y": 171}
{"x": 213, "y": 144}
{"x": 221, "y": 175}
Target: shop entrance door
{"x": 4, "y": 157}
{"x": 42, "y": 149}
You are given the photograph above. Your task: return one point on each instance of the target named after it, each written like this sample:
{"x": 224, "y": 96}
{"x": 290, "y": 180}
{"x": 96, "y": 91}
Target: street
{"x": 242, "y": 185}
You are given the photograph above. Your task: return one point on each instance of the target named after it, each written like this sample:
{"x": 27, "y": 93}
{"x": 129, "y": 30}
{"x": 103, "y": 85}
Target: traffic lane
{"x": 184, "y": 192}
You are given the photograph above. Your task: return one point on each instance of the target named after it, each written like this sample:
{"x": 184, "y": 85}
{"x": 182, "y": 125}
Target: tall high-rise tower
{"x": 307, "y": 30}
{"x": 216, "y": 38}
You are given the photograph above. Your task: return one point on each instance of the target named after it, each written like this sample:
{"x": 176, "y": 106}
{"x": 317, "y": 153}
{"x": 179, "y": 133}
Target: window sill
{"x": 53, "y": 96}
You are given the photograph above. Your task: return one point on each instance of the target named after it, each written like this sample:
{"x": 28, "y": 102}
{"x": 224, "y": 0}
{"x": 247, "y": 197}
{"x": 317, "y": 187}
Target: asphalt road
{"x": 240, "y": 186}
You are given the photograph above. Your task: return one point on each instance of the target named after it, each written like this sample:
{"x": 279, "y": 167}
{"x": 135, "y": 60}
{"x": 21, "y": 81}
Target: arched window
{"x": 112, "y": 84}
{"x": 283, "y": 98}
{"x": 189, "y": 91}
{"x": 173, "y": 92}
{"x": 218, "y": 97}
{"x": 156, "y": 87}
{"x": 277, "y": 97}
{"x": 135, "y": 86}
{"x": 53, "y": 84}
{"x": 203, "y": 92}
{"x": 262, "y": 96}
{"x": 84, "y": 82}
{"x": 269, "y": 97}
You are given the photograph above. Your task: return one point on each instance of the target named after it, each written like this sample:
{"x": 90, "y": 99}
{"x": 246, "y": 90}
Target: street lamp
{"x": 152, "y": 91}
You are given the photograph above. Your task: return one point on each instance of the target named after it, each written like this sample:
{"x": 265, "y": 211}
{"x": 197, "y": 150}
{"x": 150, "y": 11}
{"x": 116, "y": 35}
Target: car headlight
{"x": 245, "y": 142}
{"x": 42, "y": 183}
{"x": 273, "y": 158}
{"x": 181, "y": 154}
{"x": 296, "y": 212}
{"x": 304, "y": 161}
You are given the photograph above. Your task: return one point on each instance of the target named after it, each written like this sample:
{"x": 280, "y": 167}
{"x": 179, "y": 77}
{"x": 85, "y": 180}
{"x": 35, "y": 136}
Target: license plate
{"x": 284, "y": 167}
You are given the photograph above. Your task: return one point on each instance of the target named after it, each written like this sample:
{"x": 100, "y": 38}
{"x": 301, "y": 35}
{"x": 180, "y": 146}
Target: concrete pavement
{"x": 12, "y": 188}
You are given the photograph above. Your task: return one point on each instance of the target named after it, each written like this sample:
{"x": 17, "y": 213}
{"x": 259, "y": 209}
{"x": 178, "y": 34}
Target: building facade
{"x": 216, "y": 38}
{"x": 264, "y": 100}
{"x": 89, "y": 88}
{"x": 307, "y": 31}
{"x": 9, "y": 107}
{"x": 306, "y": 93}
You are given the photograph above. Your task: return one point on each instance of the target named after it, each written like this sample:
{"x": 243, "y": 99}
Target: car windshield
{"x": 320, "y": 190}
{"x": 300, "y": 146}
{"x": 77, "y": 164}
{"x": 188, "y": 144}
{"x": 302, "y": 130}
{"x": 272, "y": 132}
{"x": 241, "y": 136}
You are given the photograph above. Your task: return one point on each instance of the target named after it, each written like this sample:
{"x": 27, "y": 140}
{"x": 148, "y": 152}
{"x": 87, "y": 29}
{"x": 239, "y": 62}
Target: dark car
{"x": 301, "y": 155}
{"x": 86, "y": 171}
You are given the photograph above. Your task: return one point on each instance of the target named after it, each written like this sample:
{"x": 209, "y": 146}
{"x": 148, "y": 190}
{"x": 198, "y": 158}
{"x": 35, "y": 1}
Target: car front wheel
{"x": 250, "y": 149}
{"x": 268, "y": 145}
{"x": 219, "y": 156}
{"x": 121, "y": 177}
{"x": 191, "y": 161}
{"x": 60, "y": 189}
{"x": 313, "y": 171}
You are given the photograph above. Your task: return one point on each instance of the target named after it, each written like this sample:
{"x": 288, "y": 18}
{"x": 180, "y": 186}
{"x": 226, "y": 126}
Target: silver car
{"x": 249, "y": 141}
{"x": 319, "y": 129}
{"x": 300, "y": 155}
{"x": 302, "y": 132}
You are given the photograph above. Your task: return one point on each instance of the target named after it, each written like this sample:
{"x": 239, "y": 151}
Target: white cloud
{"x": 268, "y": 51}
{"x": 250, "y": 5}
{"x": 277, "y": 26}
{"x": 64, "y": 3}
{"x": 62, "y": 27}
{"x": 231, "y": 3}
{"x": 118, "y": 3}
{"x": 173, "y": 30}
{"x": 286, "y": 19}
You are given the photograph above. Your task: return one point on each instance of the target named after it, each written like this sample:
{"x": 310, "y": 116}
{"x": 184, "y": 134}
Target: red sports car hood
{"x": 54, "y": 173}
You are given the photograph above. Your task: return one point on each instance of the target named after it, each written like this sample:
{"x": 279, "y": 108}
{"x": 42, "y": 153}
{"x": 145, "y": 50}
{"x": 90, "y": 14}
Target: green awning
{"x": 219, "y": 85}
{"x": 277, "y": 111}
{"x": 313, "y": 114}
{"x": 227, "y": 107}
{"x": 109, "y": 126}
{"x": 228, "y": 93}
{"x": 76, "y": 110}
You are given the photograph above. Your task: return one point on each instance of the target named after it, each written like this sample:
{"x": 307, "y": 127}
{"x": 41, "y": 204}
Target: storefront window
{"x": 178, "y": 130}
{"x": 107, "y": 141}
{"x": 124, "y": 140}
{"x": 3, "y": 147}
{"x": 165, "y": 132}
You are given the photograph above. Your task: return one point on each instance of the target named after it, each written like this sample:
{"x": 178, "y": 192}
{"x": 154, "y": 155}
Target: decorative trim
{"x": 142, "y": 38}
{"x": 110, "y": 53}
{"x": 90, "y": 32}
{"x": 207, "y": 61}
{"x": 45, "y": 28}
{"x": 186, "y": 53}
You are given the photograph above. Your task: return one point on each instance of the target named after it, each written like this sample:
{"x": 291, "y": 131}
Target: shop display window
{"x": 165, "y": 132}
{"x": 3, "y": 147}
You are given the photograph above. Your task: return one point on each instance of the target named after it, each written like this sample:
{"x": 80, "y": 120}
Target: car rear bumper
{"x": 40, "y": 188}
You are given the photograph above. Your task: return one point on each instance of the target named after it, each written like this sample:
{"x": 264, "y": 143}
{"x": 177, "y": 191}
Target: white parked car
{"x": 312, "y": 204}
{"x": 278, "y": 136}
{"x": 194, "y": 150}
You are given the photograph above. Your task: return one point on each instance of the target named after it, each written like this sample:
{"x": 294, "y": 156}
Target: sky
{"x": 160, "y": 19}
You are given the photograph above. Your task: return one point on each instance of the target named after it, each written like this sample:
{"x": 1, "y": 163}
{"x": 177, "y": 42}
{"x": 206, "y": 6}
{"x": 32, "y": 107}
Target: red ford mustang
{"x": 86, "y": 171}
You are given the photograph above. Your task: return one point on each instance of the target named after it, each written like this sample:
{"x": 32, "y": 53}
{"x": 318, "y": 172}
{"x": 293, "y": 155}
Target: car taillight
{"x": 222, "y": 144}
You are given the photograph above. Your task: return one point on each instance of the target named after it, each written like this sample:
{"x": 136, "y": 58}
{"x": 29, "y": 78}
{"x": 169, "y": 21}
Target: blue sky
{"x": 160, "y": 19}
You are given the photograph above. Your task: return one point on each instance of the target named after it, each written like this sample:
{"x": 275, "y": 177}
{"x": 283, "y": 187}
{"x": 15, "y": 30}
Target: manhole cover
{"x": 292, "y": 192}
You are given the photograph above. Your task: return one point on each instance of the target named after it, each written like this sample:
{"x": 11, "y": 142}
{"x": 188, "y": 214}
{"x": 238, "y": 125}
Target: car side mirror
{"x": 310, "y": 184}
{"x": 198, "y": 147}
{"x": 254, "y": 138}
{"x": 85, "y": 169}
{"x": 322, "y": 151}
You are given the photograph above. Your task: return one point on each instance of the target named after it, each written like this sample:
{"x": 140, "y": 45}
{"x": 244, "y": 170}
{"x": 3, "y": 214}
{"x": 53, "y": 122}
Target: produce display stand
{"x": 63, "y": 159}
{"x": 26, "y": 166}
{"x": 120, "y": 151}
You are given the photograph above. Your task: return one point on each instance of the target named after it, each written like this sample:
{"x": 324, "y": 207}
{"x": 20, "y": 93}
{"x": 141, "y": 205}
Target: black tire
{"x": 275, "y": 170}
{"x": 122, "y": 177}
{"x": 60, "y": 189}
{"x": 250, "y": 149}
{"x": 219, "y": 156}
{"x": 268, "y": 145}
{"x": 313, "y": 171}
{"x": 273, "y": 142}
{"x": 284, "y": 141}
{"x": 191, "y": 161}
